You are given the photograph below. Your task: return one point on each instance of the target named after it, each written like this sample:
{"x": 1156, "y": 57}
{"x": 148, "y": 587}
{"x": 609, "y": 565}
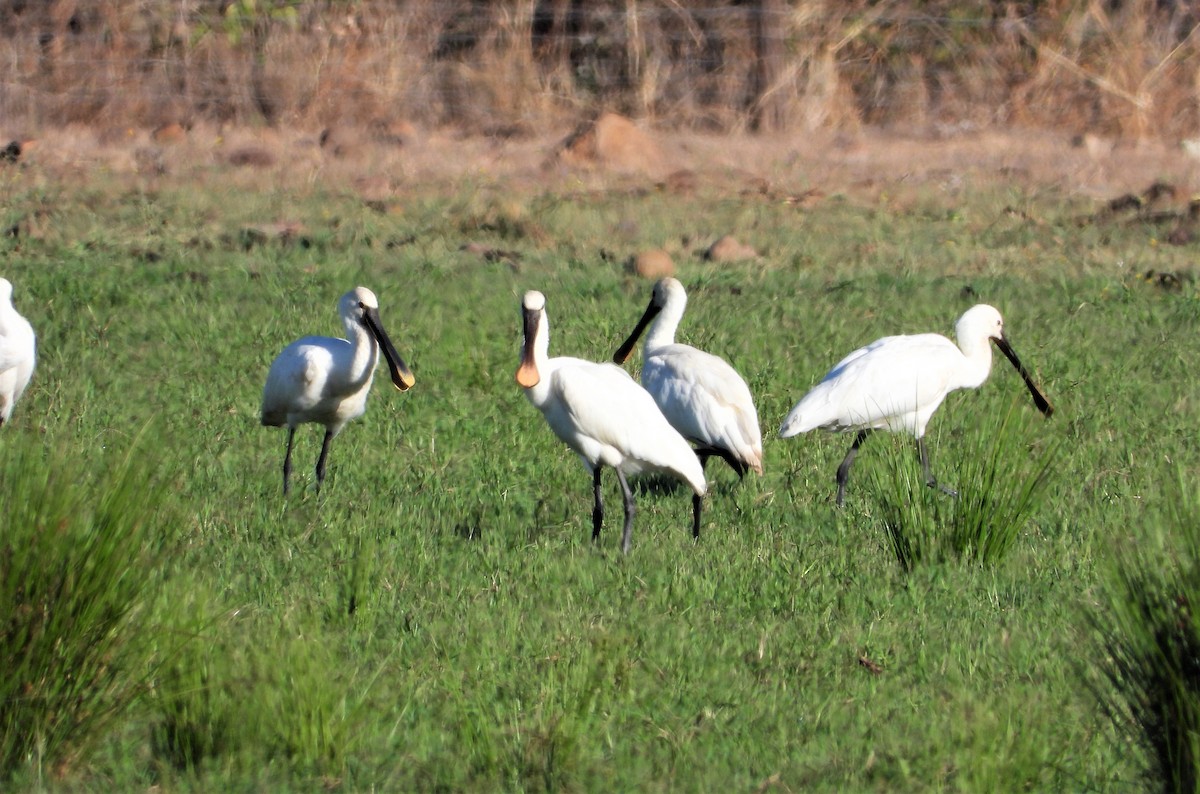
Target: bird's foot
{"x": 942, "y": 488}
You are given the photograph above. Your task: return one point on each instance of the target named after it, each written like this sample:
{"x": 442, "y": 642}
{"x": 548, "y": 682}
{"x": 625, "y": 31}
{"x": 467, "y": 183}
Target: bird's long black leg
{"x": 287, "y": 459}
{"x": 843, "y": 472}
{"x": 630, "y": 509}
{"x": 321, "y": 460}
{"x": 697, "y": 501}
{"x": 930, "y": 480}
{"x": 598, "y": 507}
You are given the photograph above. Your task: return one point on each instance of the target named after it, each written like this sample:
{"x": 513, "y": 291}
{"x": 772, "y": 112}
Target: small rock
{"x": 611, "y": 141}
{"x": 727, "y": 249}
{"x": 172, "y": 132}
{"x": 253, "y": 156}
{"x": 654, "y": 264}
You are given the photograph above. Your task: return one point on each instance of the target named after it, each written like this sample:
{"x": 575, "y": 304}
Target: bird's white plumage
{"x": 323, "y": 379}
{"x": 897, "y": 382}
{"x": 18, "y": 352}
{"x": 601, "y": 413}
{"x": 326, "y": 380}
{"x": 702, "y": 396}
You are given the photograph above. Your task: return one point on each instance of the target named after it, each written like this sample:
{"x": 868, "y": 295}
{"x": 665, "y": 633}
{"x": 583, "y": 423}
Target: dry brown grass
{"x": 374, "y": 98}
{"x": 869, "y": 167}
{"x": 526, "y": 67}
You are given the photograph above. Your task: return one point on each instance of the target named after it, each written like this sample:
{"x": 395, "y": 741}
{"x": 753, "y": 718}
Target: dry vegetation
{"x": 1122, "y": 68}
{"x": 771, "y": 97}
{"x": 1114, "y": 68}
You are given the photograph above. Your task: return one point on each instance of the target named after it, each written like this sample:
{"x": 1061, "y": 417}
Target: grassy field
{"x": 437, "y": 618}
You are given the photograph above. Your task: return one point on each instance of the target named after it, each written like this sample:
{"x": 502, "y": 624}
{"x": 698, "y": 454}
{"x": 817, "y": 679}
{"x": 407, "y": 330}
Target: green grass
{"x": 997, "y": 483}
{"x": 1149, "y": 680}
{"x": 79, "y": 553}
{"x": 438, "y": 618}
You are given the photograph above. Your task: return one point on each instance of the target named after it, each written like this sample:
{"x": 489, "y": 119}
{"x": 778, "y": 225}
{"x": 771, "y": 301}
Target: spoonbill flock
{"x": 897, "y": 382}
{"x": 687, "y": 396}
{"x": 18, "y": 352}
{"x": 326, "y": 381}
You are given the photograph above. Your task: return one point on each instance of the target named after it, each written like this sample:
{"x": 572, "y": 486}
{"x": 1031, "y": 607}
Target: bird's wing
{"x": 705, "y": 399}
{"x": 15, "y": 349}
{"x": 297, "y": 375}
{"x": 603, "y": 403}
{"x": 9, "y": 357}
{"x": 889, "y": 378}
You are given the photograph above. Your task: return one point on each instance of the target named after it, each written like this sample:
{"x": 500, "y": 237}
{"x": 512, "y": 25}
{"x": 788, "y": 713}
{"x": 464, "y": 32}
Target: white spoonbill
{"x": 599, "y": 411}
{"x": 18, "y": 353}
{"x": 700, "y": 394}
{"x": 325, "y": 380}
{"x": 897, "y": 382}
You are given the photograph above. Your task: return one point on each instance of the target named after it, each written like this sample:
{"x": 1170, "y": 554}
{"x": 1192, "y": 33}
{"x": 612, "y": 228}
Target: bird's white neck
{"x": 662, "y": 330}
{"x": 7, "y": 314}
{"x": 365, "y": 351}
{"x": 978, "y": 365}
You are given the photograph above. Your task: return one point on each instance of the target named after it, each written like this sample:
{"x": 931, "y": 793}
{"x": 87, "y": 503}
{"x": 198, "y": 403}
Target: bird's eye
{"x": 362, "y": 305}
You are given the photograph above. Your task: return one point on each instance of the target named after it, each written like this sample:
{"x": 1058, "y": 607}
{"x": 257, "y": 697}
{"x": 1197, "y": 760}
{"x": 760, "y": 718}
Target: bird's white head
{"x": 360, "y": 309}
{"x": 5, "y": 290}
{"x": 356, "y": 301}
{"x": 982, "y": 323}
{"x": 533, "y": 301}
{"x": 668, "y": 290}
{"x": 978, "y": 324}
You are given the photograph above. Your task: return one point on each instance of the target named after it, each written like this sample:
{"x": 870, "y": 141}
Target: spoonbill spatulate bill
{"x": 601, "y": 413}
{"x": 897, "y": 382}
{"x": 703, "y": 397}
{"x": 18, "y": 353}
{"x": 326, "y": 381}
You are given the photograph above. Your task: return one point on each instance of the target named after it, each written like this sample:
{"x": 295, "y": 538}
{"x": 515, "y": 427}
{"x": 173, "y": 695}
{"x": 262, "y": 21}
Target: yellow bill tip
{"x": 403, "y": 381}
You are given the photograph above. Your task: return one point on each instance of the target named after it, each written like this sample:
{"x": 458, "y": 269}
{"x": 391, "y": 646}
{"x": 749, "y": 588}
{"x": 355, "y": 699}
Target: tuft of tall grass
{"x": 1148, "y": 637}
{"x": 77, "y": 552}
{"x": 245, "y": 692}
{"x": 193, "y": 707}
{"x": 999, "y": 485}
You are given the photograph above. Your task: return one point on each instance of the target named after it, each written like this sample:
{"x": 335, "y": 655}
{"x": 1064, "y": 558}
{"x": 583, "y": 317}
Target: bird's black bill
{"x": 1039, "y": 399}
{"x": 624, "y": 351}
{"x": 527, "y": 374}
{"x": 402, "y": 376}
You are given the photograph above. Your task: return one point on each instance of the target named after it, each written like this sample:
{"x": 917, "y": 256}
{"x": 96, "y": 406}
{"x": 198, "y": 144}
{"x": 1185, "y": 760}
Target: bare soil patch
{"x": 798, "y": 169}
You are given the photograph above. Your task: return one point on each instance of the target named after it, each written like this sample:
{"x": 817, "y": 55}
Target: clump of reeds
{"x": 999, "y": 483}
{"x": 1148, "y": 637}
{"x": 235, "y": 687}
{"x": 77, "y": 553}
